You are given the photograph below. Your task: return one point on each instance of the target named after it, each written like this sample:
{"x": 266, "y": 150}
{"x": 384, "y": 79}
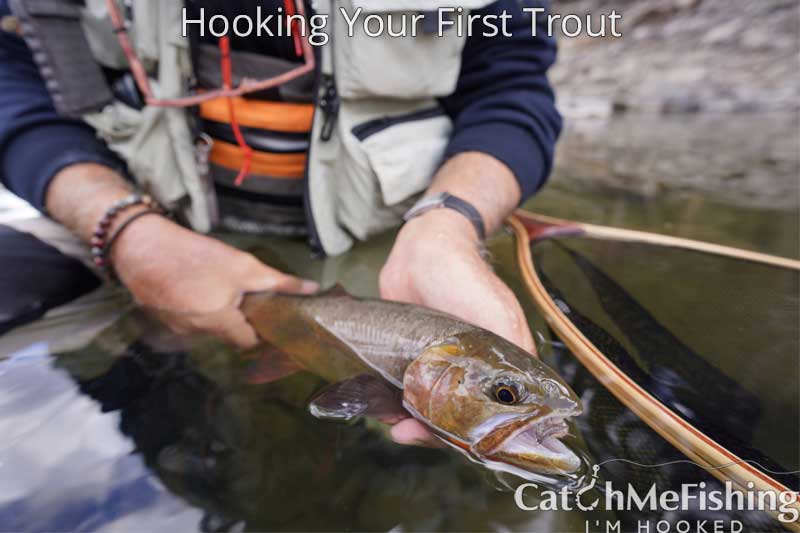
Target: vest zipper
{"x": 326, "y": 101}
{"x": 371, "y": 127}
{"x": 314, "y": 241}
{"x": 329, "y": 105}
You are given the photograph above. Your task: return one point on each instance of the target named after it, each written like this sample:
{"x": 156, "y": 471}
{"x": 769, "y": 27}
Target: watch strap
{"x": 448, "y": 201}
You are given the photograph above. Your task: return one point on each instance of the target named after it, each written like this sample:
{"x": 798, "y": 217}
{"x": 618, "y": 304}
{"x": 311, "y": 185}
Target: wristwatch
{"x": 447, "y": 200}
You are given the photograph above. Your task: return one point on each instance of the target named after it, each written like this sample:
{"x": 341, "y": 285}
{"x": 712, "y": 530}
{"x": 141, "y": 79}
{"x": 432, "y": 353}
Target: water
{"x": 687, "y": 336}
{"x": 116, "y": 434}
{"x": 109, "y": 423}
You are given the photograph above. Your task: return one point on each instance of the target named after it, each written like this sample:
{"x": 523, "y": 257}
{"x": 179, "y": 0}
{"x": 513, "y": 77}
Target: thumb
{"x": 295, "y": 285}
{"x": 264, "y": 278}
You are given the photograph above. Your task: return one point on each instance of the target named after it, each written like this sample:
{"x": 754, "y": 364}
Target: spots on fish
{"x": 364, "y": 333}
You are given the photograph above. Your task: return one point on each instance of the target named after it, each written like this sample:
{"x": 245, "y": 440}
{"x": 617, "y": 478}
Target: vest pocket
{"x": 386, "y": 162}
{"x": 372, "y": 127}
{"x": 403, "y": 66}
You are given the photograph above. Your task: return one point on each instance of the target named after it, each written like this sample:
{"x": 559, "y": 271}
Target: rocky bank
{"x": 696, "y": 94}
{"x": 685, "y": 56}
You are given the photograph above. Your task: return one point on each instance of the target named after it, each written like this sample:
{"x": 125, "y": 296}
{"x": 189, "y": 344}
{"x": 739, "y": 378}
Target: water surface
{"x": 109, "y": 423}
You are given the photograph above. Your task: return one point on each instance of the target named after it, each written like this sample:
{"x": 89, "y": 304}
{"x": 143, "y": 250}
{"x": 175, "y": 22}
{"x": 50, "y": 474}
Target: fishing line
{"x": 687, "y": 461}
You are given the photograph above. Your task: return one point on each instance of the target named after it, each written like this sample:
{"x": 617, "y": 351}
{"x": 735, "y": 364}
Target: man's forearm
{"x": 79, "y": 195}
{"x": 483, "y": 181}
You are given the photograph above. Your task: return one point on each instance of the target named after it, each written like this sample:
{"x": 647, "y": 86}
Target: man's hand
{"x": 194, "y": 283}
{"x": 435, "y": 263}
{"x": 436, "y": 260}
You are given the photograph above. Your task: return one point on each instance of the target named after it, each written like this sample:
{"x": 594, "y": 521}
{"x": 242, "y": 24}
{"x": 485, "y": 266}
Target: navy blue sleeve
{"x": 503, "y": 104}
{"x": 35, "y": 141}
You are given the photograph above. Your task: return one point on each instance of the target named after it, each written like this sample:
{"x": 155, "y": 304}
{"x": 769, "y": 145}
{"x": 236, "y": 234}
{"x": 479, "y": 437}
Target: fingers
{"x": 295, "y": 285}
{"x": 508, "y": 319}
{"x": 228, "y": 325}
{"x": 411, "y": 432}
{"x": 526, "y": 338}
{"x": 260, "y": 277}
{"x": 518, "y": 331}
{"x": 513, "y": 325}
{"x": 242, "y": 336}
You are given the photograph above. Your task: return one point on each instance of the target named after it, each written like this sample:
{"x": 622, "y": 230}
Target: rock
{"x": 682, "y": 103}
{"x": 685, "y": 56}
{"x": 722, "y": 34}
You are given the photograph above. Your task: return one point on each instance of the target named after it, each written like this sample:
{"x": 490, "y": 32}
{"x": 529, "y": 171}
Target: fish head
{"x": 496, "y": 401}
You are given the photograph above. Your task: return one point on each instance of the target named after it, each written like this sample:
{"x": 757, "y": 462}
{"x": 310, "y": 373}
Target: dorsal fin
{"x": 337, "y": 290}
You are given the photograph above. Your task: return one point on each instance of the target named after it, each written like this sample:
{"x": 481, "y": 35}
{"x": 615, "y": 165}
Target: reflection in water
{"x": 709, "y": 386}
{"x": 612, "y": 432}
{"x": 688, "y": 214}
{"x": 692, "y": 385}
{"x": 65, "y": 466}
{"x": 247, "y": 455}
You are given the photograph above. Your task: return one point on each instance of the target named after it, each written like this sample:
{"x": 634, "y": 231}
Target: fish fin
{"x": 337, "y": 290}
{"x": 270, "y": 364}
{"x": 362, "y": 396}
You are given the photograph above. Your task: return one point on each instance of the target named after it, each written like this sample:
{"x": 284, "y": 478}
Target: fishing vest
{"x": 378, "y": 133}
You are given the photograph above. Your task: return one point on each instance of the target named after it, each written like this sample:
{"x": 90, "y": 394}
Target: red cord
{"x": 245, "y": 87}
{"x": 290, "y": 11}
{"x": 227, "y": 81}
{"x": 138, "y": 70}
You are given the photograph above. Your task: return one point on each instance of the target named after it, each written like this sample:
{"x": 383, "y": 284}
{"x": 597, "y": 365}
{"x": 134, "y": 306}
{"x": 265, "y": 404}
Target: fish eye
{"x": 507, "y": 393}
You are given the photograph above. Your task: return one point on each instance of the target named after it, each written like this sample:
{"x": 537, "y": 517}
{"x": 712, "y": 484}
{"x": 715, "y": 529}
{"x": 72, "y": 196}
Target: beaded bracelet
{"x": 101, "y": 244}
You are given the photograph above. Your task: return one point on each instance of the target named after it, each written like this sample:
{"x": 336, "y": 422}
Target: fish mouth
{"x": 531, "y": 444}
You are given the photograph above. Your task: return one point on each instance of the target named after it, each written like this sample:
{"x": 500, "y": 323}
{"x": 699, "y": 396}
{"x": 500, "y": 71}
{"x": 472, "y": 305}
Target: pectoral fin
{"x": 362, "y": 396}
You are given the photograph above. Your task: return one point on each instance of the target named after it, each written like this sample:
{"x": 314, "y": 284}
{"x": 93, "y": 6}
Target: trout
{"x": 476, "y": 391}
